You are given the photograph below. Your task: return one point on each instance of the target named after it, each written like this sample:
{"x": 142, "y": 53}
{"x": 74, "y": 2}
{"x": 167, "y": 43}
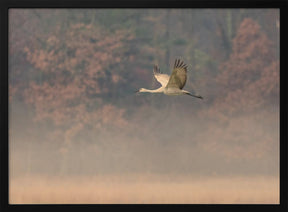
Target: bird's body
{"x": 171, "y": 85}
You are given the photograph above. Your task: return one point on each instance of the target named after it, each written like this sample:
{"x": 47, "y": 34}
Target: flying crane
{"x": 171, "y": 85}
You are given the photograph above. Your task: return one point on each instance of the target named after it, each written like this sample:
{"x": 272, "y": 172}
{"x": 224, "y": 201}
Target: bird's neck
{"x": 159, "y": 90}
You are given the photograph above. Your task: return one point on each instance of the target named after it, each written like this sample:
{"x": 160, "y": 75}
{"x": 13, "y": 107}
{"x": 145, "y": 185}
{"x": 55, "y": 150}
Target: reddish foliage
{"x": 250, "y": 78}
{"x": 73, "y": 69}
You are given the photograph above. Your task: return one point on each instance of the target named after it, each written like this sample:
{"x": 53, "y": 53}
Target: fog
{"x": 167, "y": 140}
{"x": 168, "y": 149}
{"x": 78, "y": 132}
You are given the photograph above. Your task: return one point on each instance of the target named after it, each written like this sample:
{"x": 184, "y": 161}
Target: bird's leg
{"x": 200, "y": 97}
{"x": 190, "y": 94}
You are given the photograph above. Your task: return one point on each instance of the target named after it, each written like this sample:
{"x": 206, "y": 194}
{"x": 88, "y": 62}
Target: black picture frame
{"x": 6, "y": 4}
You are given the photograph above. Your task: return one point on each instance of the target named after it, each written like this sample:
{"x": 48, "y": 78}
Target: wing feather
{"x": 161, "y": 78}
{"x": 179, "y": 75}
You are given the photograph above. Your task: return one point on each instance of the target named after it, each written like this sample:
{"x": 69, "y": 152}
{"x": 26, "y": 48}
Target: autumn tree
{"x": 72, "y": 73}
{"x": 249, "y": 80}
{"x": 247, "y": 99}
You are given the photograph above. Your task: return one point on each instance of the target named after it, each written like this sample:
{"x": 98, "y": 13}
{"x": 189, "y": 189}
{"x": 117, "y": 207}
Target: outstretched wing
{"x": 161, "y": 78}
{"x": 178, "y": 76}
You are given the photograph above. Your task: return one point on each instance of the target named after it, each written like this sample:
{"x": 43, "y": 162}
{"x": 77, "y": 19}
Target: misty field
{"x": 144, "y": 189}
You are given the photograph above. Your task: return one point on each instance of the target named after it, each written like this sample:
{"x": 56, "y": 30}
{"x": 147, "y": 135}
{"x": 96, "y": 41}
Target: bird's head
{"x": 140, "y": 90}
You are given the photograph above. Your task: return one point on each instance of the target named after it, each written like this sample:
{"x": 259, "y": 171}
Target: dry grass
{"x": 144, "y": 189}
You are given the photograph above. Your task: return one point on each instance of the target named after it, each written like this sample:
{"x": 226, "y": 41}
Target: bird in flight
{"x": 171, "y": 85}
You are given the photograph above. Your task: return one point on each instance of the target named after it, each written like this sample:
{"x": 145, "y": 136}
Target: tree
{"x": 249, "y": 80}
{"x": 72, "y": 73}
{"x": 75, "y": 72}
